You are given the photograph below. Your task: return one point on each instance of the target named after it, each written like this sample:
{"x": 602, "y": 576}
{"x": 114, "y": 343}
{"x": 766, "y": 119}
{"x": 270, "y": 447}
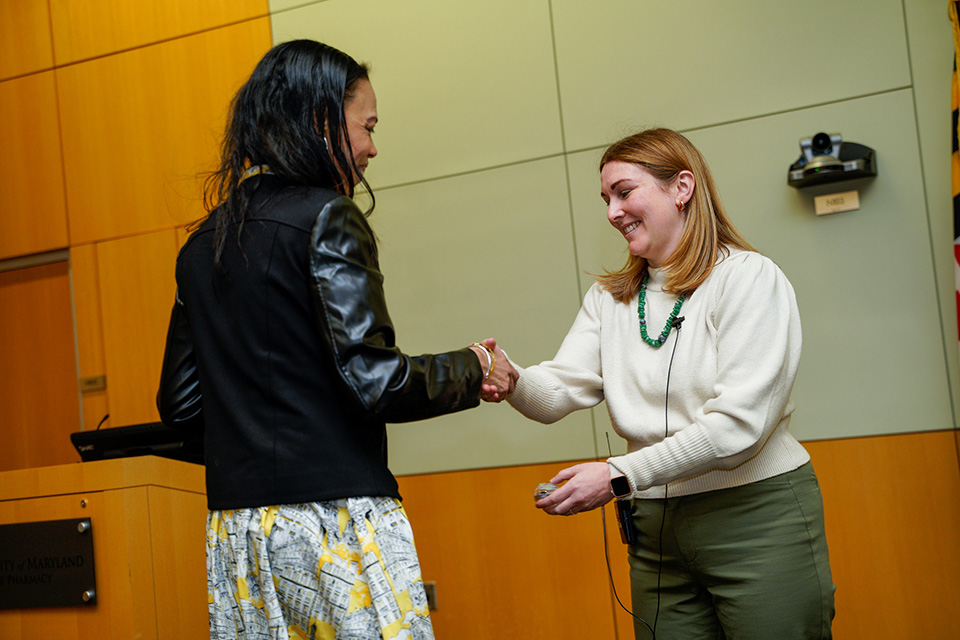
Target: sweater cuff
{"x": 531, "y": 397}
{"x": 659, "y": 464}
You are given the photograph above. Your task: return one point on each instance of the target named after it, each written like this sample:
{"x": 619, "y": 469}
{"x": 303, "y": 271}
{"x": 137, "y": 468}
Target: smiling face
{"x": 645, "y": 210}
{"x": 360, "y": 113}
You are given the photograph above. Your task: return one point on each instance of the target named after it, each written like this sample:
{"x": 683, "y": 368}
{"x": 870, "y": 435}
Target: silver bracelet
{"x": 491, "y": 359}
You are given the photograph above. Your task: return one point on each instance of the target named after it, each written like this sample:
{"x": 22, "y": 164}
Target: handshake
{"x": 500, "y": 377}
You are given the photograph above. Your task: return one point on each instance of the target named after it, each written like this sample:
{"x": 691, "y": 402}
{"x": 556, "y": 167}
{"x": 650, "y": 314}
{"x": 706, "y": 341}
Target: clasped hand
{"x": 503, "y": 377}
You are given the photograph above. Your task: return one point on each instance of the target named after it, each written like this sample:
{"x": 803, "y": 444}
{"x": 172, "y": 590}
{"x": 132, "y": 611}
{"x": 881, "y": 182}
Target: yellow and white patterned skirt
{"x": 339, "y": 570}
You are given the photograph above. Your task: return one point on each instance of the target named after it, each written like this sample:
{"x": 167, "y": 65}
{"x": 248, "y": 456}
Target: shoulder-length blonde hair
{"x": 664, "y": 154}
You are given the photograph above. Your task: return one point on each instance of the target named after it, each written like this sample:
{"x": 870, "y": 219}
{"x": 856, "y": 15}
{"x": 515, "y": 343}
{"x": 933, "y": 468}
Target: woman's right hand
{"x": 503, "y": 377}
{"x": 584, "y": 487}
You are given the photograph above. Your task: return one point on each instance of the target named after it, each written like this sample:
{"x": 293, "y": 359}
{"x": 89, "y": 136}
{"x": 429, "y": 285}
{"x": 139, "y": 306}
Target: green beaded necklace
{"x": 641, "y": 303}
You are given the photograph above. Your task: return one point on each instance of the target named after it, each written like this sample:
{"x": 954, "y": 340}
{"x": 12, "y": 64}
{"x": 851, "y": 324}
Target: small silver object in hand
{"x": 543, "y": 490}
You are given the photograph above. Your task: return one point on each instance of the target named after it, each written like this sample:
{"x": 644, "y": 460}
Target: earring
{"x": 680, "y": 205}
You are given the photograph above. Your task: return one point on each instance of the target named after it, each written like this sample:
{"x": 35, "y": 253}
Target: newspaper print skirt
{"x": 339, "y": 570}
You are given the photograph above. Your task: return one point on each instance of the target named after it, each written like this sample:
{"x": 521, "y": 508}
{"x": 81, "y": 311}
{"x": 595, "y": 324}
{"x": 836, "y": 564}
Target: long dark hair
{"x": 288, "y": 116}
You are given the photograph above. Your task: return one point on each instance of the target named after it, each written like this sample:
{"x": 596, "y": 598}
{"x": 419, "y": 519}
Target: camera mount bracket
{"x": 827, "y": 158}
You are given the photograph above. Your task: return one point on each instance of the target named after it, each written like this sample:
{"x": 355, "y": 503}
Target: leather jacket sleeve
{"x": 179, "y": 400}
{"x": 352, "y": 318}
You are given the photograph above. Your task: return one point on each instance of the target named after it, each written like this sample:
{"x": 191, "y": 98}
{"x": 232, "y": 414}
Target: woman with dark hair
{"x": 280, "y": 350}
{"x": 725, "y": 513}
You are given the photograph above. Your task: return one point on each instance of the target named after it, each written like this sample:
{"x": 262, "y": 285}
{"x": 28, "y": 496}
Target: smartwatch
{"x": 620, "y": 486}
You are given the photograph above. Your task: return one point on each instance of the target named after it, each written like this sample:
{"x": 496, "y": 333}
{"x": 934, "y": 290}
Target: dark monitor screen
{"x": 149, "y": 439}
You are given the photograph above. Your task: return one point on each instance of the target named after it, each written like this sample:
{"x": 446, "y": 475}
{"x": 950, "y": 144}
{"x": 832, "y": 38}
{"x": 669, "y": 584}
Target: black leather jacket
{"x": 287, "y": 360}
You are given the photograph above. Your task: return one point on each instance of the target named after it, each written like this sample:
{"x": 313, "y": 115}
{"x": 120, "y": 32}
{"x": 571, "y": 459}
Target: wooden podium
{"x": 147, "y": 516}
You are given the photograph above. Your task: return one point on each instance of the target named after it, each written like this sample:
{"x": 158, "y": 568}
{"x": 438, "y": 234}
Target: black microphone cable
{"x": 606, "y": 556}
{"x": 663, "y": 516}
{"x": 677, "y": 322}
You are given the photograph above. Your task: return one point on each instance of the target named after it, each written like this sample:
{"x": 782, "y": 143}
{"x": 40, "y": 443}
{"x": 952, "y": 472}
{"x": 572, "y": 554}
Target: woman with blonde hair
{"x": 694, "y": 345}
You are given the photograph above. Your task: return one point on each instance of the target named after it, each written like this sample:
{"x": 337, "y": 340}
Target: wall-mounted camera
{"x": 827, "y": 158}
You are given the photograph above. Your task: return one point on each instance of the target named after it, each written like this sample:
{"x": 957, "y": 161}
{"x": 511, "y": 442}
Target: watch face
{"x": 620, "y": 486}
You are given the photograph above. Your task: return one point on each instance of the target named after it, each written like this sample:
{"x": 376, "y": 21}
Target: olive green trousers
{"x": 747, "y": 563}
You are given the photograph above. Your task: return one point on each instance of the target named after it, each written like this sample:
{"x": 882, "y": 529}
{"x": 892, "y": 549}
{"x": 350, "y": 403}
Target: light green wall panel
{"x": 465, "y": 88}
{"x": 460, "y": 86}
{"x": 931, "y": 62}
{"x": 627, "y": 64}
{"x": 600, "y": 247}
{"x": 468, "y": 257}
{"x": 873, "y": 356}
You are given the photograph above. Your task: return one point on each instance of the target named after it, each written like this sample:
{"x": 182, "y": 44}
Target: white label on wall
{"x": 837, "y": 202}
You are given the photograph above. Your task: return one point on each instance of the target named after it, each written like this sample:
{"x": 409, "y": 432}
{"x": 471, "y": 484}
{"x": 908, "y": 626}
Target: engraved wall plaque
{"x": 47, "y": 564}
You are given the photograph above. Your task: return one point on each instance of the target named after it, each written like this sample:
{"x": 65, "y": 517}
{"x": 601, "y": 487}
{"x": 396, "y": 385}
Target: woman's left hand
{"x": 586, "y": 487}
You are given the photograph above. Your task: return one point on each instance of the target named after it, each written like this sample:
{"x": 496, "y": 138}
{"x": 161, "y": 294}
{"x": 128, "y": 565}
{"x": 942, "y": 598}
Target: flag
{"x": 954, "y": 11}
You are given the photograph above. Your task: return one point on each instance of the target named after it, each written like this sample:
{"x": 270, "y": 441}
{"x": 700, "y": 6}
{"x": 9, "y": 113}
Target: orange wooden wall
{"x": 84, "y": 30}
{"x": 38, "y": 376}
{"x": 112, "y": 113}
{"x": 140, "y": 126}
{"x": 147, "y": 519}
{"x": 506, "y": 570}
{"x": 111, "y": 109}
{"x": 35, "y": 214}
{"x": 25, "y": 42}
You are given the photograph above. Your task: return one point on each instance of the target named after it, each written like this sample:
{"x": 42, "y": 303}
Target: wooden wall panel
{"x": 893, "y": 520}
{"x": 137, "y": 287}
{"x": 139, "y": 126}
{"x": 179, "y": 555}
{"x": 39, "y": 404}
{"x": 25, "y": 44}
{"x": 34, "y": 212}
{"x": 85, "y": 29}
{"x": 142, "y": 511}
{"x": 124, "y": 582}
{"x": 502, "y": 567}
{"x": 89, "y": 331}
{"x": 64, "y": 623}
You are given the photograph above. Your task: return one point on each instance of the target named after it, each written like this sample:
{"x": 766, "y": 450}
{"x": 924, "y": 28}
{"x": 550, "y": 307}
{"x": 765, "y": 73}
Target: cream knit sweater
{"x": 729, "y": 403}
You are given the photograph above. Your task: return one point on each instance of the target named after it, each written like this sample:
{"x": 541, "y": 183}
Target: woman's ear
{"x": 685, "y": 182}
